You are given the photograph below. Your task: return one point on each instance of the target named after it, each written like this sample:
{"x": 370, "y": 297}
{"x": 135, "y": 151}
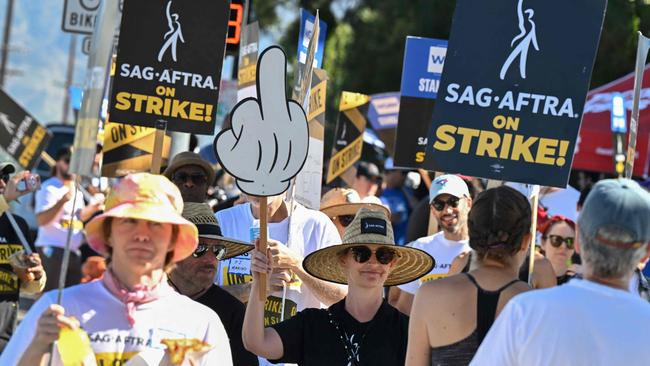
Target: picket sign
{"x": 267, "y": 143}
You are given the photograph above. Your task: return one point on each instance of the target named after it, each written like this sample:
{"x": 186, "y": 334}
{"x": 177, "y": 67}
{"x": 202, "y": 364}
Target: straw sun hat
{"x": 346, "y": 201}
{"x": 373, "y": 229}
{"x": 202, "y": 216}
{"x": 149, "y": 197}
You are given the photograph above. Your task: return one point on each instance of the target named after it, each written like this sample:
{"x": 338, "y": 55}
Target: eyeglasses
{"x": 440, "y": 204}
{"x": 557, "y": 240}
{"x": 384, "y": 255}
{"x": 345, "y": 220}
{"x": 197, "y": 178}
{"x": 218, "y": 250}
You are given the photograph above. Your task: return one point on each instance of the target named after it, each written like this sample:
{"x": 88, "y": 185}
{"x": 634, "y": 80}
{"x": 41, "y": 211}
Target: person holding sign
{"x": 499, "y": 232}
{"x": 20, "y": 272}
{"x": 132, "y": 310}
{"x": 591, "y": 321}
{"x": 362, "y": 329}
{"x": 265, "y": 148}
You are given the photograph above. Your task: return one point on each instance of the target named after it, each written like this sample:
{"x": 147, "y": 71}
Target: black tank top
{"x": 462, "y": 352}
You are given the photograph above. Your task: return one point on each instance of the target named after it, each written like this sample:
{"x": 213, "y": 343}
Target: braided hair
{"x": 498, "y": 221}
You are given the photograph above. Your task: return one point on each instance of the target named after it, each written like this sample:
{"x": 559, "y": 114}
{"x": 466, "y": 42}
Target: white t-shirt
{"x": 311, "y": 230}
{"x": 112, "y": 339}
{"x": 579, "y": 323}
{"x": 443, "y": 251}
{"x": 55, "y": 233}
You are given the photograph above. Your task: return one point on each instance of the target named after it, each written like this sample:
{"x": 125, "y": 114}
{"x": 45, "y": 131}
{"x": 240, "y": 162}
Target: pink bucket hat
{"x": 147, "y": 197}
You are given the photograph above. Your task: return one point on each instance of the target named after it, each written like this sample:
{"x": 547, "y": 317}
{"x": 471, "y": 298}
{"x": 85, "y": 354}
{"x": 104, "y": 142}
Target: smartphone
{"x": 30, "y": 183}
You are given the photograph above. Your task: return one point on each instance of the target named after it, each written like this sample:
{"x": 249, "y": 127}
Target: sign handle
{"x": 533, "y": 232}
{"x": 19, "y": 233}
{"x": 159, "y": 138}
{"x": 264, "y": 224}
{"x": 641, "y": 56}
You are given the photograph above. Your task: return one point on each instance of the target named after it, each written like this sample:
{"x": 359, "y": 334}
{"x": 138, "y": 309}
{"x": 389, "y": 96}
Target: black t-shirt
{"x": 311, "y": 337}
{"x": 9, "y": 244}
{"x": 231, "y": 312}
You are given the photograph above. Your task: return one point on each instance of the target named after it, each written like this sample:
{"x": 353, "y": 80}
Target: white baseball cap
{"x": 449, "y": 184}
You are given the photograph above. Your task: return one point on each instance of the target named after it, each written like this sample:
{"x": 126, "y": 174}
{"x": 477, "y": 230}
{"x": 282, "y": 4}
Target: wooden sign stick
{"x": 533, "y": 236}
{"x": 159, "y": 138}
{"x": 264, "y": 223}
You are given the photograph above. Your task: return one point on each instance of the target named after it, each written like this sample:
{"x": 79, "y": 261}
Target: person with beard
{"x": 194, "y": 277}
{"x": 54, "y": 214}
{"x": 450, "y": 203}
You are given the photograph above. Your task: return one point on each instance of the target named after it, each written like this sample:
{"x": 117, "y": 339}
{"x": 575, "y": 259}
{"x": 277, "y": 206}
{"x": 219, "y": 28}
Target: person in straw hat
{"x": 342, "y": 204}
{"x": 133, "y": 308}
{"x": 361, "y": 329}
{"x": 451, "y": 316}
{"x": 194, "y": 276}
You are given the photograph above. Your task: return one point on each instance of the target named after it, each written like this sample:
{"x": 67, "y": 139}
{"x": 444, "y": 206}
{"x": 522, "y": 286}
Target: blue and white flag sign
{"x": 306, "y": 29}
{"x": 423, "y": 62}
{"x": 383, "y": 110}
{"x": 619, "y": 114}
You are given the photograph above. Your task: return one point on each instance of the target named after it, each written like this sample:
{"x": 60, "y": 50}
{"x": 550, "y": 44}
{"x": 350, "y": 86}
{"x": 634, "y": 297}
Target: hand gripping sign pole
{"x": 268, "y": 141}
{"x": 641, "y": 56}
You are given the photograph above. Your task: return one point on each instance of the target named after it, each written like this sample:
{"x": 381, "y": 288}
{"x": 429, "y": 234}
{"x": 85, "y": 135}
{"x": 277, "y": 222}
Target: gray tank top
{"x": 462, "y": 352}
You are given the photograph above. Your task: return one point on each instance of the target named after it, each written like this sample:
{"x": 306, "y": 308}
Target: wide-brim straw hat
{"x": 373, "y": 229}
{"x": 346, "y": 201}
{"x": 202, "y": 216}
{"x": 186, "y": 158}
{"x": 149, "y": 197}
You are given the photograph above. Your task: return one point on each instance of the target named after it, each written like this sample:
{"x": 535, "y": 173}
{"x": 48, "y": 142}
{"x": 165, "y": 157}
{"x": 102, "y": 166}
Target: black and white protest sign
{"x": 513, "y": 89}
{"x": 20, "y": 134}
{"x": 169, "y": 62}
{"x": 268, "y": 141}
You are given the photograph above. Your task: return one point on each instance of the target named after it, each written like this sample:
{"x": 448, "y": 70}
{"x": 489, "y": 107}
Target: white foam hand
{"x": 268, "y": 142}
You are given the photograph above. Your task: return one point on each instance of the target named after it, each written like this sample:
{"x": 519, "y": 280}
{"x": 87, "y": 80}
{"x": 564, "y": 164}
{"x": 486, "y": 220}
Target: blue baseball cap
{"x": 449, "y": 184}
{"x": 617, "y": 203}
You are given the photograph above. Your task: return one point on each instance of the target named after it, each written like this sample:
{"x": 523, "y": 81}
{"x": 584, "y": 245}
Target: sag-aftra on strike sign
{"x": 513, "y": 89}
{"x": 169, "y": 62}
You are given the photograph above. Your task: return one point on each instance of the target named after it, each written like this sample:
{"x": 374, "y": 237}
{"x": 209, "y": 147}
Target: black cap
{"x": 64, "y": 151}
{"x": 368, "y": 170}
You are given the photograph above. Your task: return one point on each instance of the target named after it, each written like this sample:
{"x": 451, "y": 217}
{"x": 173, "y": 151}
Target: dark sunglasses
{"x": 440, "y": 204}
{"x": 345, "y": 220}
{"x": 197, "y": 178}
{"x": 557, "y": 240}
{"x": 384, "y": 255}
{"x": 218, "y": 250}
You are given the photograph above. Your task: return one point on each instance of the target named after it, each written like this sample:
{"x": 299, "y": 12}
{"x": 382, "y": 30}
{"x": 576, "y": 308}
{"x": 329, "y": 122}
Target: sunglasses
{"x": 439, "y": 205}
{"x": 218, "y": 250}
{"x": 384, "y": 255}
{"x": 557, "y": 240}
{"x": 197, "y": 178}
{"x": 345, "y": 220}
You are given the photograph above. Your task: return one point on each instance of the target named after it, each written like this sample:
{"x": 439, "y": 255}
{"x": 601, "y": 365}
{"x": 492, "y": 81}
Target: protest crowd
{"x": 447, "y": 252}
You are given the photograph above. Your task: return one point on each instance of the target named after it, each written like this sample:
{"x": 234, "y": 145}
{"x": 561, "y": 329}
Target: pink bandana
{"x": 141, "y": 294}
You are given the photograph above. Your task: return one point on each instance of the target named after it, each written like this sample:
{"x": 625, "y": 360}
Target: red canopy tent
{"x": 594, "y": 146}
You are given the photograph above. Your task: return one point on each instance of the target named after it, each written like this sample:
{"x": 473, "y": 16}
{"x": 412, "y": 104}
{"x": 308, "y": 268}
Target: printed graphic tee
{"x": 310, "y": 339}
{"x": 443, "y": 251}
{"x": 55, "y": 233}
{"x": 113, "y": 340}
{"x": 9, "y": 244}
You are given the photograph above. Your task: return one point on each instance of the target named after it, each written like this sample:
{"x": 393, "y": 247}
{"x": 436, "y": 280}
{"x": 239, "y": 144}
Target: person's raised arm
{"x": 48, "y": 215}
{"x": 264, "y": 342}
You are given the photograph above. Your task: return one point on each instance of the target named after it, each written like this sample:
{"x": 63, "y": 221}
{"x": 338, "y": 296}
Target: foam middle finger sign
{"x": 268, "y": 142}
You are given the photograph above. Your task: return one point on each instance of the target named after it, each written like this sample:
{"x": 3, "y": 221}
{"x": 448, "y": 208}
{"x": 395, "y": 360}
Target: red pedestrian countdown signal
{"x": 235, "y": 25}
